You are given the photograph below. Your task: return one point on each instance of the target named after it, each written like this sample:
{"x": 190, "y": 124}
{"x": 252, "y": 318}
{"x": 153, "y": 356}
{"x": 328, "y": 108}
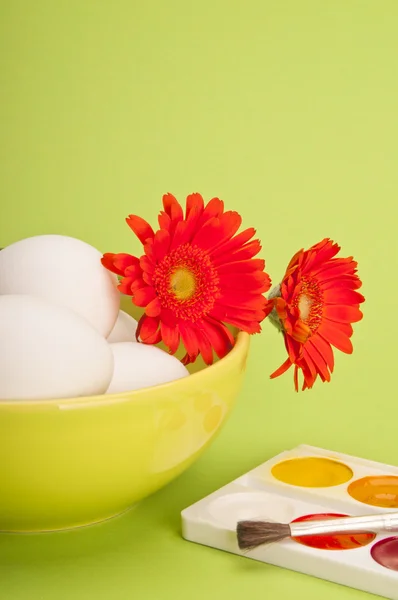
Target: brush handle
{"x": 385, "y": 522}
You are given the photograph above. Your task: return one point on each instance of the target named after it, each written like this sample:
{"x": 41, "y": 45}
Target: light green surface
{"x": 286, "y": 110}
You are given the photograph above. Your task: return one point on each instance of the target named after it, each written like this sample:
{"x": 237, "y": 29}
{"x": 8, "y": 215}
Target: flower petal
{"x": 237, "y": 299}
{"x": 282, "y": 369}
{"x": 107, "y": 262}
{"x": 247, "y": 326}
{"x": 308, "y": 368}
{"x": 295, "y": 378}
{"x": 189, "y": 339}
{"x": 342, "y": 314}
{"x": 336, "y": 271}
{"x": 148, "y": 249}
{"x": 164, "y": 220}
{"x": 170, "y": 336}
{"x": 346, "y": 328}
{"x": 154, "y": 308}
{"x": 300, "y": 331}
{"x": 147, "y": 278}
{"x": 144, "y": 295}
{"x": 205, "y": 235}
{"x": 147, "y": 328}
{"x": 194, "y": 205}
{"x": 318, "y": 360}
{"x": 342, "y": 296}
{"x": 147, "y": 265}
{"x": 294, "y": 348}
{"x": 137, "y": 284}
{"x": 230, "y": 222}
{"x": 153, "y": 339}
{"x": 161, "y": 244}
{"x": 205, "y": 347}
{"x": 118, "y": 263}
{"x": 294, "y": 262}
{"x": 168, "y": 317}
{"x": 242, "y": 266}
{"x": 351, "y": 282}
{"x": 220, "y": 338}
{"x": 124, "y": 286}
{"x": 335, "y": 336}
{"x": 244, "y": 253}
{"x": 222, "y": 313}
{"x": 321, "y": 255}
{"x": 213, "y": 209}
{"x": 182, "y": 234}
{"x": 172, "y": 207}
{"x": 226, "y": 252}
{"x": 324, "y": 348}
{"x": 133, "y": 270}
{"x": 141, "y": 228}
{"x": 246, "y": 281}
{"x": 309, "y": 371}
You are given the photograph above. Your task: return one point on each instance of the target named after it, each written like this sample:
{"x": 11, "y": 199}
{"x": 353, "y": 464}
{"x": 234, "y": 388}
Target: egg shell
{"x": 138, "y": 365}
{"x": 124, "y": 329}
{"x": 63, "y": 270}
{"x": 48, "y": 351}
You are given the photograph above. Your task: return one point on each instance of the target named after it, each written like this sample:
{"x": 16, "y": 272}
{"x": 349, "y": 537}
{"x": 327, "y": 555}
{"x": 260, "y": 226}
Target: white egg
{"x": 124, "y": 329}
{"x": 139, "y": 365}
{"x": 65, "y": 271}
{"x": 48, "y": 351}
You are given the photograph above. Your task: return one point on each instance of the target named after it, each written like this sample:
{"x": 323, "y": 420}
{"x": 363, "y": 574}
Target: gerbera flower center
{"x": 187, "y": 282}
{"x": 304, "y": 306}
{"x": 183, "y": 283}
{"x": 309, "y": 302}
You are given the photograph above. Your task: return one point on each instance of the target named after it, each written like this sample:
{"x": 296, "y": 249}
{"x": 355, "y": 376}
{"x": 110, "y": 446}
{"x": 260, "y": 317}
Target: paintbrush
{"x": 251, "y": 533}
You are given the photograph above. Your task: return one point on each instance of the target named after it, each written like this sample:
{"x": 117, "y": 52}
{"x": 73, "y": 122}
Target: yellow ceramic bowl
{"x": 68, "y": 463}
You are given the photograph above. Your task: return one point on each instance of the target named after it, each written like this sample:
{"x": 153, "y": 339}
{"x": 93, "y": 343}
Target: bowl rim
{"x": 145, "y": 394}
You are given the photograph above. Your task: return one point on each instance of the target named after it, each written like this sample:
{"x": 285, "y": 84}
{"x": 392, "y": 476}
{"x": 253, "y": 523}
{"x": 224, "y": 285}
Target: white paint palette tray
{"x": 308, "y": 483}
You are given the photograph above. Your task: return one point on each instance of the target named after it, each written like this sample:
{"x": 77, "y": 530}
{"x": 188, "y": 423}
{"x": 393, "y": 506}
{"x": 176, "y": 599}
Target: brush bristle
{"x": 252, "y": 534}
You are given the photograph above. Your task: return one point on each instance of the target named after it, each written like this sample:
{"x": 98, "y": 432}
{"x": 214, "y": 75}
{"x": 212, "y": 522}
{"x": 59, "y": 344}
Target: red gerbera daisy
{"x": 194, "y": 277}
{"x": 314, "y": 307}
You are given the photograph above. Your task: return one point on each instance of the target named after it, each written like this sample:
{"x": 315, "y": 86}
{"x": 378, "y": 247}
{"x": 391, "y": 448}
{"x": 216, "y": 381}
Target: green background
{"x": 286, "y": 110}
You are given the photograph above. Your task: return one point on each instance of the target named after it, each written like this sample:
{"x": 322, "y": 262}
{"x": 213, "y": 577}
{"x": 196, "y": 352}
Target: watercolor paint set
{"x": 304, "y": 484}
